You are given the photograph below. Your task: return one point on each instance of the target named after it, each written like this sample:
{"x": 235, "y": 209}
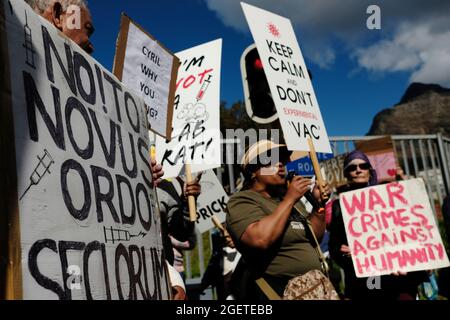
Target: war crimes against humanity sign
{"x": 89, "y": 228}
{"x": 391, "y": 228}
{"x": 290, "y": 85}
{"x": 148, "y": 68}
{"x": 196, "y": 119}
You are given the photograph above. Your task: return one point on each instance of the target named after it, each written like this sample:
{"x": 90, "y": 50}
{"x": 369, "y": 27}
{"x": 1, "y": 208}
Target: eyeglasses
{"x": 354, "y": 167}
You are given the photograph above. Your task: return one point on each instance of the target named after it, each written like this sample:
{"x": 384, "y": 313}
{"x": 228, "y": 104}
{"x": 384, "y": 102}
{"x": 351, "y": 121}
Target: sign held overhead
{"x": 147, "y": 67}
{"x": 288, "y": 78}
{"x": 196, "y": 121}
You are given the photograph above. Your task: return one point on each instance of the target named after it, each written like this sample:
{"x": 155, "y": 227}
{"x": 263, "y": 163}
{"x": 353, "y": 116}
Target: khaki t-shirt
{"x": 291, "y": 256}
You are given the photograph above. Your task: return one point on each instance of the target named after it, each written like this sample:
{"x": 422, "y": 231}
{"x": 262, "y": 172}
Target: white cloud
{"x": 422, "y": 49}
{"x": 435, "y": 69}
{"x": 414, "y": 37}
{"x": 312, "y": 20}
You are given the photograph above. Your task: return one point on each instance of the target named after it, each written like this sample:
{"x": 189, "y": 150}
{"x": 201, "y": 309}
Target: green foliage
{"x": 236, "y": 117}
{"x": 195, "y": 264}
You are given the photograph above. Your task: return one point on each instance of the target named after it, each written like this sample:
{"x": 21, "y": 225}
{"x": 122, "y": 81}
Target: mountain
{"x": 423, "y": 109}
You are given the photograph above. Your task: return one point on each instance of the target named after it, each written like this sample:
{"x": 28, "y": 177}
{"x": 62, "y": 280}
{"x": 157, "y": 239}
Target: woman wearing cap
{"x": 360, "y": 174}
{"x": 264, "y": 218}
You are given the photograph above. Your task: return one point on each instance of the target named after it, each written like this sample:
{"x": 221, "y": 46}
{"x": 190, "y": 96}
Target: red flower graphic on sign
{"x": 273, "y": 30}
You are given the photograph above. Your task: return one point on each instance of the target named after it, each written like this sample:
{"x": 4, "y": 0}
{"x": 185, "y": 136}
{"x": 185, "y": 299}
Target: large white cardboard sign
{"x": 391, "y": 228}
{"x": 147, "y": 67}
{"x": 290, "y": 84}
{"x": 196, "y": 119}
{"x": 87, "y": 218}
{"x": 211, "y": 202}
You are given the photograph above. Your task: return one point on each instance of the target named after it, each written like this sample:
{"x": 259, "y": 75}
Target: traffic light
{"x": 258, "y": 98}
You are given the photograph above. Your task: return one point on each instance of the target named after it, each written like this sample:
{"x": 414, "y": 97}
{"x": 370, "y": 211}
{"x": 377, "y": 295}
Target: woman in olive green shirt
{"x": 267, "y": 219}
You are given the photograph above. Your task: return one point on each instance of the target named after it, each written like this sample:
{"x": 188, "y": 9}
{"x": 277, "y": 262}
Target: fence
{"x": 425, "y": 156}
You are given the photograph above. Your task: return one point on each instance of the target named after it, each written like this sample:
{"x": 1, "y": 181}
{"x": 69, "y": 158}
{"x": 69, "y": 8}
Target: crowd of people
{"x": 272, "y": 236}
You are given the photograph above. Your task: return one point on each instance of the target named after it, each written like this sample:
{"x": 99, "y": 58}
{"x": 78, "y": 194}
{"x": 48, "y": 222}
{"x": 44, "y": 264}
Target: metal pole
{"x": 440, "y": 191}
{"x": 201, "y": 260}
{"x": 445, "y": 163}
{"x": 413, "y": 154}
{"x": 425, "y": 168}
{"x": 405, "y": 159}
{"x": 335, "y": 147}
{"x": 188, "y": 265}
{"x": 434, "y": 155}
{"x": 346, "y": 148}
{"x": 417, "y": 174}
{"x": 230, "y": 169}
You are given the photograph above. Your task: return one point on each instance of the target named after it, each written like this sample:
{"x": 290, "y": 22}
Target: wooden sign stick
{"x": 217, "y": 223}
{"x": 219, "y": 226}
{"x": 191, "y": 199}
{"x": 317, "y": 171}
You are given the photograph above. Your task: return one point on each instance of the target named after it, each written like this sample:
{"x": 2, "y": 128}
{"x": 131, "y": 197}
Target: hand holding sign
{"x": 193, "y": 188}
{"x": 190, "y": 198}
{"x": 225, "y": 234}
{"x": 320, "y": 194}
{"x": 157, "y": 172}
{"x": 345, "y": 250}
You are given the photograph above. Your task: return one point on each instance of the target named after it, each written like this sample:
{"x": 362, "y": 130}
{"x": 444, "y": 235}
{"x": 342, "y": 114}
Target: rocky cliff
{"x": 424, "y": 109}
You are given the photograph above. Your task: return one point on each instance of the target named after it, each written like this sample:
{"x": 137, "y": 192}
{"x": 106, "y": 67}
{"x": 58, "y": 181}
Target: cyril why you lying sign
{"x": 89, "y": 227}
{"x": 391, "y": 228}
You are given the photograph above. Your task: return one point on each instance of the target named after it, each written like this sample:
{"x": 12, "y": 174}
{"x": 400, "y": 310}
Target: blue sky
{"x": 357, "y": 72}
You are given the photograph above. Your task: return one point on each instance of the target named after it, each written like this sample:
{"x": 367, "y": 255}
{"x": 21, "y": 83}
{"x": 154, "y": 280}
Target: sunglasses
{"x": 354, "y": 167}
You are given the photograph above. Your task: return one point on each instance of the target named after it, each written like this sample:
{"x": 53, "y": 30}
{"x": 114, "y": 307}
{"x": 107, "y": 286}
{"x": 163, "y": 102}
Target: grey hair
{"x": 41, "y": 5}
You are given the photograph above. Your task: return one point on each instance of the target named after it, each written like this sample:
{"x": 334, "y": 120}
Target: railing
{"x": 425, "y": 156}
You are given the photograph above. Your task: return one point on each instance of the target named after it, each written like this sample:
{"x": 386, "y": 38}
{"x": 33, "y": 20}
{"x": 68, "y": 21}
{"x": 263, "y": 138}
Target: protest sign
{"x": 196, "y": 120}
{"x": 146, "y": 66}
{"x": 290, "y": 85}
{"x": 391, "y": 228}
{"x": 304, "y": 167}
{"x": 385, "y": 164}
{"x": 80, "y": 220}
{"x": 211, "y": 202}
{"x": 381, "y": 154}
{"x": 334, "y": 171}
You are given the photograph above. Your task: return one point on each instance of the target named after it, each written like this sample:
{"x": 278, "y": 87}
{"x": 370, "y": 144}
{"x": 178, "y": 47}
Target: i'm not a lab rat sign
{"x": 196, "y": 138}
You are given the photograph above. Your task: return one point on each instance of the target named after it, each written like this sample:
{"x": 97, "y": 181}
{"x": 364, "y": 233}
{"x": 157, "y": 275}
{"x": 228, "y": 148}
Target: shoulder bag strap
{"x": 323, "y": 260}
{"x": 267, "y": 289}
